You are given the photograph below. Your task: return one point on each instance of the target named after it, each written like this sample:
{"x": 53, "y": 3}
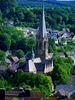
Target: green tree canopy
{"x": 5, "y": 41}
{"x": 61, "y": 70}
{"x": 2, "y": 55}
{"x": 19, "y": 53}
{"x": 73, "y": 95}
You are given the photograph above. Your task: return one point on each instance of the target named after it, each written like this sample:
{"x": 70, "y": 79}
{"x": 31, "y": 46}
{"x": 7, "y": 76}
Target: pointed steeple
{"x": 32, "y": 57}
{"x": 42, "y": 27}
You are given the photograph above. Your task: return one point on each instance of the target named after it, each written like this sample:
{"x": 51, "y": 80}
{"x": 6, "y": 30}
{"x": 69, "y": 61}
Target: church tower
{"x": 42, "y": 39}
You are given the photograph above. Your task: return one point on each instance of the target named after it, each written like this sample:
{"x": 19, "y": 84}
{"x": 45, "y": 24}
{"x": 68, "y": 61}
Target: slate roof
{"x": 65, "y": 87}
{"x": 52, "y": 35}
{"x": 42, "y": 27}
{"x": 27, "y": 66}
{"x": 3, "y": 67}
{"x": 72, "y": 79}
{"x": 69, "y": 53}
{"x": 60, "y": 54}
{"x": 40, "y": 66}
{"x": 7, "y": 60}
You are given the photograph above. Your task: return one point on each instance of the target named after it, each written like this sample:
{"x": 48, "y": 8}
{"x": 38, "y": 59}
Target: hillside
{"x": 47, "y": 3}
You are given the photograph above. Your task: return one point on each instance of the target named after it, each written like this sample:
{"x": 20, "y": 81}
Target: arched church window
{"x": 40, "y": 45}
{"x": 44, "y": 44}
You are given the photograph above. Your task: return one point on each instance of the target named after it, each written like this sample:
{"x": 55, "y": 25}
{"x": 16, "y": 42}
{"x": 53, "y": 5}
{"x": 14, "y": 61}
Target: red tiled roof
{"x": 73, "y": 58}
{"x": 54, "y": 98}
{"x": 15, "y": 58}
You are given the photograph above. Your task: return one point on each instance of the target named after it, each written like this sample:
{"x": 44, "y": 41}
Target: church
{"x": 41, "y": 63}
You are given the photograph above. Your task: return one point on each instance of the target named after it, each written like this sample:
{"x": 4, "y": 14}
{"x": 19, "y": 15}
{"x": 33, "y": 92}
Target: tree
{"x": 61, "y": 70}
{"x": 5, "y": 41}
{"x": 3, "y": 63}
{"x": 31, "y": 43}
{"x": 2, "y": 55}
{"x": 19, "y": 53}
{"x": 73, "y": 95}
{"x": 7, "y": 5}
{"x": 22, "y": 44}
{"x": 63, "y": 39}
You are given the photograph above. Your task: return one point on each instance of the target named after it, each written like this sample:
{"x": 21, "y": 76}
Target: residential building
{"x": 8, "y": 23}
{"x": 67, "y": 88}
{"x": 20, "y": 94}
{"x": 61, "y": 54}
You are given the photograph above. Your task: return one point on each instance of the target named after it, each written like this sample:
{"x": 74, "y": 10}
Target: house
{"x": 24, "y": 94}
{"x": 67, "y": 88}
{"x": 52, "y": 31}
{"x": 68, "y": 53}
{"x": 25, "y": 34}
{"x": 66, "y": 29}
{"x": 61, "y": 93}
{"x": 50, "y": 55}
{"x": 73, "y": 58}
{"x": 8, "y": 53}
{"x": 61, "y": 54}
{"x": 73, "y": 39}
{"x": 51, "y": 35}
{"x": 9, "y": 69}
{"x": 14, "y": 59}
{"x": 64, "y": 35}
{"x": 8, "y": 23}
{"x": 56, "y": 40}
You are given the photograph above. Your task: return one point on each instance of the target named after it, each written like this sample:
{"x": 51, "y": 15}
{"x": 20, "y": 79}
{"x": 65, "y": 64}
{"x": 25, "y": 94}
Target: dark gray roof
{"x": 40, "y": 66}
{"x": 27, "y": 66}
{"x": 52, "y": 35}
{"x": 3, "y": 67}
{"x": 7, "y": 60}
{"x": 42, "y": 27}
{"x": 65, "y": 87}
{"x": 23, "y": 66}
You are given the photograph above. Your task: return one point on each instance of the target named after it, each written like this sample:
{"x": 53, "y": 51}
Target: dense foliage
{"x": 29, "y": 80}
{"x": 13, "y": 39}
{"x": 51, "y": 45}
{"x": 61, "y": 70}
{"x": 73, "y": 95}
{"x": 56, "y": 18}
{"x": 2, "y": 55}
{"x": 47, "y": 3}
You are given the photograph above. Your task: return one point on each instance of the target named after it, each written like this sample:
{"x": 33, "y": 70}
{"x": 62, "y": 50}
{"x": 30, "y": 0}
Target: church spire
{"x": 42, "y": 27}
{"x": 32, "y": 56}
